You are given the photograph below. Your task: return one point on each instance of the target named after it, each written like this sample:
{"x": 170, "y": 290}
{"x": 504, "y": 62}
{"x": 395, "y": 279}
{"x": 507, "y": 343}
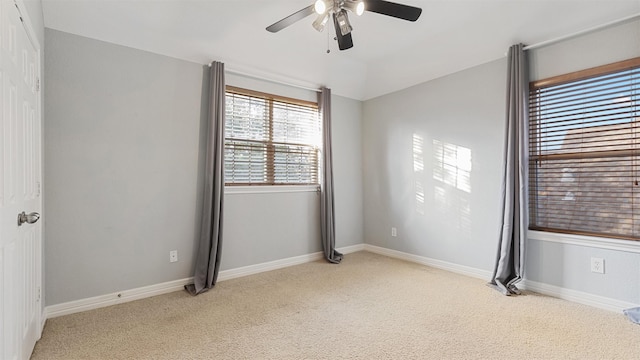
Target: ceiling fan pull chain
{"x": 328, "y": 42}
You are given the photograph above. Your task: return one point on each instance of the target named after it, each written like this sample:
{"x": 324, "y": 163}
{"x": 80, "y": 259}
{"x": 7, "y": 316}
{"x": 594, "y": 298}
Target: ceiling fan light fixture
{"x": 343, "y": 22}
{"x": 320, "y": 7}
{"x": 355, "y": 6}
{"x": 320, "y": 22}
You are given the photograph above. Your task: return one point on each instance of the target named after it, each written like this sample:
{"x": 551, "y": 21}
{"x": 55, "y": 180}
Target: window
{"x": 270, "y": 140}
{"x": 584, "y": 152}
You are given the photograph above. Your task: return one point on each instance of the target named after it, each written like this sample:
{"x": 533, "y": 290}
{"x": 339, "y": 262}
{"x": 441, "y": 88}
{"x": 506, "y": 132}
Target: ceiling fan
{"x": 337, "y": 9}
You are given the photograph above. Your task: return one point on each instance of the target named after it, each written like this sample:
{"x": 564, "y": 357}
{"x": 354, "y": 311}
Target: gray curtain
{"x": 509, "y": 265}
{"x": 327, "y": 212}
{"x": 209, "y": 248}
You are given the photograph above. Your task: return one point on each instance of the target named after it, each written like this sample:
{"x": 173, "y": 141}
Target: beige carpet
{"x": 368, "y": 307}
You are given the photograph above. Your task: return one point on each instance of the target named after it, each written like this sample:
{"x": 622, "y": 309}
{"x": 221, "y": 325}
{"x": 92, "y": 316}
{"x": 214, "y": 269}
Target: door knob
{"x": 29, "y": 219}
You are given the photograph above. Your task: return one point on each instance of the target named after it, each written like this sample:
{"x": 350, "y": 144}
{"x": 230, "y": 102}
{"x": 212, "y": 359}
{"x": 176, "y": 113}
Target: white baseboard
{"x": 282, "y": 263}
{"x": 43, "y": 320}
{"x": 176, "y": 285}
{"x": 351, "y": 249}
{"x": 456, "y": 268}
{"x": 115, "y": 298}
{"x": 268, "y": 266}
{"x": 576, "y": 296}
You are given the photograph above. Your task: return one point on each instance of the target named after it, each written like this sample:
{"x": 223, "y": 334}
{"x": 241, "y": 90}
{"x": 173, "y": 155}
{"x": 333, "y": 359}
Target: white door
{"x": 20, "y": 181}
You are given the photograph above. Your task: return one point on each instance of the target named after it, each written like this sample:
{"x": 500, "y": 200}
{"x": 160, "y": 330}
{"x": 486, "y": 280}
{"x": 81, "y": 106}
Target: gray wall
{"x": 443, "y": 220}
{"x": 123, "y": 150}
{"x": 438, "y": 220}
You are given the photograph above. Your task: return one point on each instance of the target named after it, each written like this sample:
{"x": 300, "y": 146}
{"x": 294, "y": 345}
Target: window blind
{"x": 584, "y": 157}
{"x": 270, "y": 140}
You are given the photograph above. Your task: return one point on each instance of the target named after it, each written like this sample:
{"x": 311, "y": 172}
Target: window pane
{"x": 246, "y": 118}
{"x": 295, "y": 124}
{"x": 245, "y": 162}
{"x": 295, "y": 164}
{"x": 587, "y": 195}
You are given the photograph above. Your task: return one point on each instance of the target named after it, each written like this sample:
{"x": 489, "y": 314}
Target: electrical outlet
{"x": 173, "y": 255}
{"x": 394, "y": 232}
{"x": 597, "y": 265}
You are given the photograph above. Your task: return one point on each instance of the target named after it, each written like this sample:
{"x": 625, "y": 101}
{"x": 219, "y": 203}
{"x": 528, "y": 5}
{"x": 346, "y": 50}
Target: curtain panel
{"x": 327, "y": 209}
{"x": 210, "y": 244}
{"x": 509, "y": 266}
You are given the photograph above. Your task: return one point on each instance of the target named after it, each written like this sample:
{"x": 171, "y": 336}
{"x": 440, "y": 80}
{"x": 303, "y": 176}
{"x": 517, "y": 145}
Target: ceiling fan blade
{"x": 395, "y": 10}
{"x": 344, "y": 41}
{"x": 289, "y": 20}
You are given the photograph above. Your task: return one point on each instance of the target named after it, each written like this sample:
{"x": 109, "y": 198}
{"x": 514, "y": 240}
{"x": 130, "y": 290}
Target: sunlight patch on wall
{"x": 452, "y": 165}
{"x": 418, "y": 153}
{"x": 418, "y": 170}
{"x": 455, "y": 207}
{"x": 440, "y": 195}
{"x": 452, "y": 168}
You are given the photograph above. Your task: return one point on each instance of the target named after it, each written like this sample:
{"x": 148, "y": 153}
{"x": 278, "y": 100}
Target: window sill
{"x": 269, "y": 189}
{"x": 630, "y": 246}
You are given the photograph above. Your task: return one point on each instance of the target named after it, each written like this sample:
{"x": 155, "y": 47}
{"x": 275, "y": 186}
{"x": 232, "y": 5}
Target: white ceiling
{"x": 388, "y": 54}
